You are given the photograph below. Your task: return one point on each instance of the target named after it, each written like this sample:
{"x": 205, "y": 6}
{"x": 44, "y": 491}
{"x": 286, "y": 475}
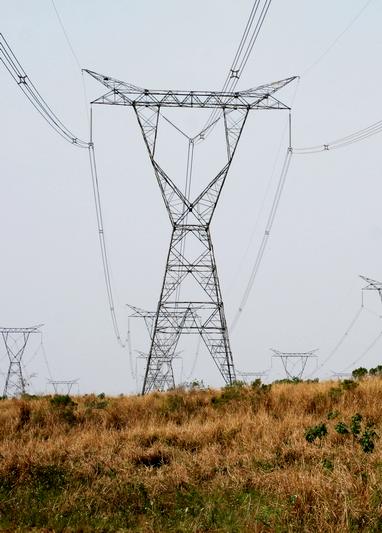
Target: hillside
{"x": 286, "y": 457}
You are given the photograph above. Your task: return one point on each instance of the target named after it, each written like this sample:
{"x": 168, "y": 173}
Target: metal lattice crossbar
{"x": 203, "y": 313}
{"x": 122, "y": 93}
{"x": 372, "y": 285}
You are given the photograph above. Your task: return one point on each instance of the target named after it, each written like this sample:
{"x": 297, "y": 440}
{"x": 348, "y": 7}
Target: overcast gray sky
{"x": 328, "y": 228}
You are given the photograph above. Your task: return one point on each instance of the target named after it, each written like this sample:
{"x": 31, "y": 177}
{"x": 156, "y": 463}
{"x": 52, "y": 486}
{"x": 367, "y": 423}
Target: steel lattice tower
{"x": 15, "y": 340}
{"x": 66, "y": 383}
{"x": 300, "y": 357}
{"x": 190, "y": 220}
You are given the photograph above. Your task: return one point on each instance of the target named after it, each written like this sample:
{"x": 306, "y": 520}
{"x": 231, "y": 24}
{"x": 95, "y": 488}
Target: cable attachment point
{"x": 22, "y": 80}
{"x": 235, "y": 74}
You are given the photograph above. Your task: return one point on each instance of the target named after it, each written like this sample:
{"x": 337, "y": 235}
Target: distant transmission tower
{"x": 63, "y": 384}
{"x": 372, "y": 285}
{"x": 165, "y": 379}
{"x": 250, "y": 376}
{"x": 190, "y": 219}
{"x": 291, "y": 359}
{"x": 15, "y": 340}
{"x": 341, "y": 375}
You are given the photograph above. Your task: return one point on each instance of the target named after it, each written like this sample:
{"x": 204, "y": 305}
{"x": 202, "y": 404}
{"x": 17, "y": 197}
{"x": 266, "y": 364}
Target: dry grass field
{"x": 290, "y": 457}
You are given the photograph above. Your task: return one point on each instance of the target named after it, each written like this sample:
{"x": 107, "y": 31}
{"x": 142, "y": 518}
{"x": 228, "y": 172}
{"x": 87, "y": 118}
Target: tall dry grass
{"x": 234, "y": 459}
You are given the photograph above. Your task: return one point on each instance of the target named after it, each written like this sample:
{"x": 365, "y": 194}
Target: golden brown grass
{"x": 234, "y": 459}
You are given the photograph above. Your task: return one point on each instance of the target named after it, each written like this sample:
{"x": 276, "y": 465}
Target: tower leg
{"x": 15, "y": 382}
{"x": 190, "y": 258}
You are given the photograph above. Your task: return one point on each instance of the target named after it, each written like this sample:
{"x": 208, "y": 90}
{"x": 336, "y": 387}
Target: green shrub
{"x": 335, "y": 393}
{"x": 377, "y": 371}
{"x": 291, "y": 381}
{"x": 349, "y": 384}
{"x": 95, "y": 403}
{"x": 64, "y": 406}
{"x": 359, "y": 373}
{"x": 316, "y": 432}
{"x": 367, "y": 439}
{"x": 355, "y": 424}
{"x": 342, "y": 428}
{"x": 62, "y": 400}
{"x": 229, "y": 393}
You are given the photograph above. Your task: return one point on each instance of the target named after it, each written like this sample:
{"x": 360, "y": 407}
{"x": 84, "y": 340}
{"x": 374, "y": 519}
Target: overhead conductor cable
{"x": 11, "y": 63}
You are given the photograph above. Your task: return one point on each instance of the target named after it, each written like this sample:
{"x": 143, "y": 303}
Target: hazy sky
{"x": 328, "y": 229}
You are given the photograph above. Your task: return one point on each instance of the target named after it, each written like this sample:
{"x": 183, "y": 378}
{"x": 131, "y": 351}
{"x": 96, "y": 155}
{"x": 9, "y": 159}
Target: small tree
{"x": 377, "y": 371}
{"x": 359, "y": 373}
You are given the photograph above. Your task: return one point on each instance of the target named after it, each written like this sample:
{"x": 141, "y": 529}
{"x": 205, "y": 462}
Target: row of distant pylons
{"x": 294, "y": 363}
{"x": 16, "y": 340}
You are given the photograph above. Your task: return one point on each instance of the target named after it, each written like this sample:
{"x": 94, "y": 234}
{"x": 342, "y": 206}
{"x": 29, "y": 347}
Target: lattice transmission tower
{"x": 16, "y": 340}
{"x": 60, "y": 385}
{"x": 149, "y": 317}
{"x": 294, "y": 363}
{"x": 203, "y": 314}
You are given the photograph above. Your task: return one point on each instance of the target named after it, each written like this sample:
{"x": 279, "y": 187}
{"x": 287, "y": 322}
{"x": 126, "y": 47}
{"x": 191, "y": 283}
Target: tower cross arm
{"x": 311, "y": 353}
{"x": 122, "y": 93}
{"x": 31, "y": 329}
{"x": 372, "y": 284}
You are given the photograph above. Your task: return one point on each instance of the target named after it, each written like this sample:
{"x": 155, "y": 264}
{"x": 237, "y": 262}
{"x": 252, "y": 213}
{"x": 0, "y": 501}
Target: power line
{"x": 365, "y": 352}
{"x": 355, "y": 137}
{"x": 340, "y": 341}
{"x": 66, "y": 35}
{"x": 267, "y": 232}
{"x": 101, "y": 234}
{"x": 272, "y": 213}
{"x": 244, "y": 50}
{"x": 45, "y": 358}
{"x": 260, "y": 211}
{"x": 18, "y": 74}
{"x": 75, "y": 57}
{"x": 339, "y": 36}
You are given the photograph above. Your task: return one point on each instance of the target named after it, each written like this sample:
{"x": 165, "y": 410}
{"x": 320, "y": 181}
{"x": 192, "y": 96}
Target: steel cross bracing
{"x": 301, "y": 357}
{"x": 190, "y": 218}
{"x": 122, "y": 93}
{"x": 165, "y": 374}
{"x": 372, "y": 285}
{"x": 15, "y": 340}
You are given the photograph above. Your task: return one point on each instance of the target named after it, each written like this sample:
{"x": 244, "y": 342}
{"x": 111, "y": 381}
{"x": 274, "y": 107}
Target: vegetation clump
{"x": 316, "y": 432}
{"x": 365, "y": 435}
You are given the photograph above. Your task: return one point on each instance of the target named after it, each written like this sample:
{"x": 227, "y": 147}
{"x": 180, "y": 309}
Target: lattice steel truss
{"x": 190, "y": 219}
{"x": 63, "y": 384}
{"x": 298, "y": 357}
{"x": 251, "y": 376}
{"x": 15, "y": 340}
{"x": 372, "y": 285}
{"x": 165, "y": 378}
